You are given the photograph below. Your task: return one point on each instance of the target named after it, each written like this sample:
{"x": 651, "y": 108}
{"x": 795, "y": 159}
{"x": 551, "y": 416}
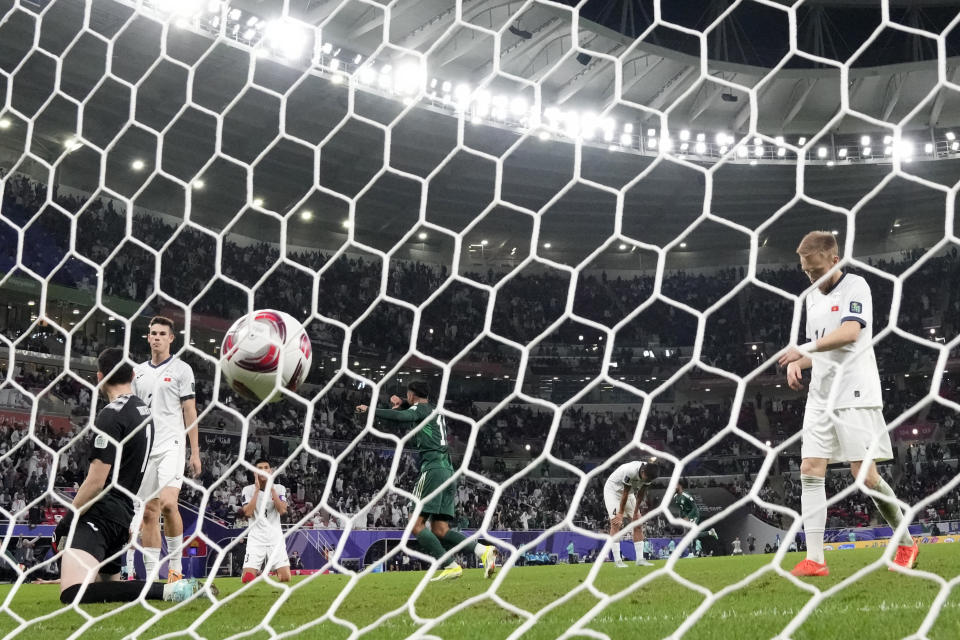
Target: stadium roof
{"x": 657, "y": 210}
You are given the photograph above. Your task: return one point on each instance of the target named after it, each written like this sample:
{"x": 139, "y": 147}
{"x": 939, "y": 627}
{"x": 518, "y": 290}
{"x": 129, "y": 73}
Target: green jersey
{"x": 430, "y": 441}
{"x": 686, "y": 506}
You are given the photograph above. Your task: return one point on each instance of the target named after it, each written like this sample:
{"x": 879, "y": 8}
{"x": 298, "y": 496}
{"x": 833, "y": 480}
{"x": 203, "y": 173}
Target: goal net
{"x": 576, "y": 222}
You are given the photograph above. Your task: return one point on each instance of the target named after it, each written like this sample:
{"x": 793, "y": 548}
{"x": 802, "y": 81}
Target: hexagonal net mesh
{"x": 513, "y": 202}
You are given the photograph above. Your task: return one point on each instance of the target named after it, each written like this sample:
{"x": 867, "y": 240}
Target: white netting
{"x": 171, "y": 157}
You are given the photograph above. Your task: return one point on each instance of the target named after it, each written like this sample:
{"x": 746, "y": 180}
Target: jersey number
{"x": 442, "y": 423}
{"x": 146, "y": 454}
{"x": 819, "y": 333}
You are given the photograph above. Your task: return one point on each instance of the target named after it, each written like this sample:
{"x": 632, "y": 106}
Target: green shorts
{"x": 442, "y": 503}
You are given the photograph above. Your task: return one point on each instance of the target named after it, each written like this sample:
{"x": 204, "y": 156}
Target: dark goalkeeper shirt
{"x": 124, "y": 416}
{"x": 430, "y": 441}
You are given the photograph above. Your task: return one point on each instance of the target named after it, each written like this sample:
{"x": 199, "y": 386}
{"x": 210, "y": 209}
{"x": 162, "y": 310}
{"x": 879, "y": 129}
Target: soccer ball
{"x": 257, "y": 346}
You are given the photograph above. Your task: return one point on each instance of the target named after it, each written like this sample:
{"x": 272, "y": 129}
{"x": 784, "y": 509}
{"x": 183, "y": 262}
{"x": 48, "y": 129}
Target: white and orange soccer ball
{"x": 264, "y": 351}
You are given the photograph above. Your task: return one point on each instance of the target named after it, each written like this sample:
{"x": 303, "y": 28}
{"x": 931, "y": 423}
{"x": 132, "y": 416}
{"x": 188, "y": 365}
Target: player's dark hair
{"x": 682, "y": 483}
{"x": 419, "y": 388}
{"x": 164, "y": 320}
{"x": 108, "y": 360}
{"x": 651, "y": 471}
{"x": 259, "y": 460}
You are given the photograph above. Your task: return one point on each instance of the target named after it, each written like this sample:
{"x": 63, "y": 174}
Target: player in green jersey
{"x": 686, "y": 507}
{"x": 684, "y": 504}
{"x": 430, "y": 441}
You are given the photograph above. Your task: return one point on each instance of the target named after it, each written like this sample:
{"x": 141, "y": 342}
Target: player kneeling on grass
{"x": 623, "y": 494}
{"x": 840, "y": 331}
{"x": 430, "y": 442}
{"x": 265, "y": 535}
{"x": 103, "y": 507}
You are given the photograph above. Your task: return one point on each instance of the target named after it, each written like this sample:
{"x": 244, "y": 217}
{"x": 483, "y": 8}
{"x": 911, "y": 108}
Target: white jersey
{"x": 163, "y": 388}
{"x": 859, "y": 385}
{"x": 627, "y": 476}
{"x": 265, "y": 523}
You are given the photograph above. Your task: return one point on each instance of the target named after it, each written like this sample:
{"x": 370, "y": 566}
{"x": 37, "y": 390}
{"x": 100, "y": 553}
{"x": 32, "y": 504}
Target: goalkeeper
{"x": 430, "y": 442}
{"x": 90, "y": 568}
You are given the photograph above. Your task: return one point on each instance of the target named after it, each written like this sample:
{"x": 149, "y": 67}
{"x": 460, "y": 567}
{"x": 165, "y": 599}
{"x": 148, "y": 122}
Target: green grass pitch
{"x": 878, "y": 606}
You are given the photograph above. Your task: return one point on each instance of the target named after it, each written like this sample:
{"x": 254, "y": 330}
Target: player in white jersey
{"x": 622, "y": 494}
{"x": 265, "y": 543}
{"x": 843, "y": 420}
{"x": 166, "y": 384}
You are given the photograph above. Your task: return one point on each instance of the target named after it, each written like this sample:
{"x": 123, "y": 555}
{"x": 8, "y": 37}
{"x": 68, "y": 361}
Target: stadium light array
{"x": 5, "y": 123}
{"x": 406, "y": 80}
{"x": 286, "y": 38}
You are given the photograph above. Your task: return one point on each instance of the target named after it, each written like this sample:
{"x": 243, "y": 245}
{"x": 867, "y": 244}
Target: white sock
{"x": 616, "y": 551}
{"x": 638, "y": 547}
{"x": 131, "y": 557}
{"x": 813, "y": 503}
{"x": 174, "y": 547}
{"x": 151, "y": 558}
{"x": 890, "y": 510}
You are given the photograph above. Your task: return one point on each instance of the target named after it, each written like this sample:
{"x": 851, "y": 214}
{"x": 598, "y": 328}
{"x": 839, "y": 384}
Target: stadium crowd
{"x": 540, "y": 497}
{"x": 526, "y": 304}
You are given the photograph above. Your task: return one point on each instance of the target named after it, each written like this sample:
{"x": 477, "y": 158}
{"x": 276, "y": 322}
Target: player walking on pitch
{"x": 839, "y": 330}
{"x": 265, "y": 541}
{"x": 435, "y": 469}
{"x": 124, "y": 434}
{"x": 166, "y": 384}
{"x": 622, "y": 494}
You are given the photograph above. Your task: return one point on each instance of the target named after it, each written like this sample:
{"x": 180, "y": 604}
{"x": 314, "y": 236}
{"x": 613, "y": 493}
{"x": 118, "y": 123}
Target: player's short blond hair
{"x": 818, "y": 242}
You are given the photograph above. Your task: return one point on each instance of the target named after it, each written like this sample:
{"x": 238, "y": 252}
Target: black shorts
{"x": 102, "y": 539}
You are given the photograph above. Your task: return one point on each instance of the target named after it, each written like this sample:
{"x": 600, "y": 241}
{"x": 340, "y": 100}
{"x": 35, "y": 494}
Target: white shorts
{"x": 848, "y": 437}
{"x": 275, "y": 554}
{"x": 164, "y": 469}
{"x": 612, "y": 494}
